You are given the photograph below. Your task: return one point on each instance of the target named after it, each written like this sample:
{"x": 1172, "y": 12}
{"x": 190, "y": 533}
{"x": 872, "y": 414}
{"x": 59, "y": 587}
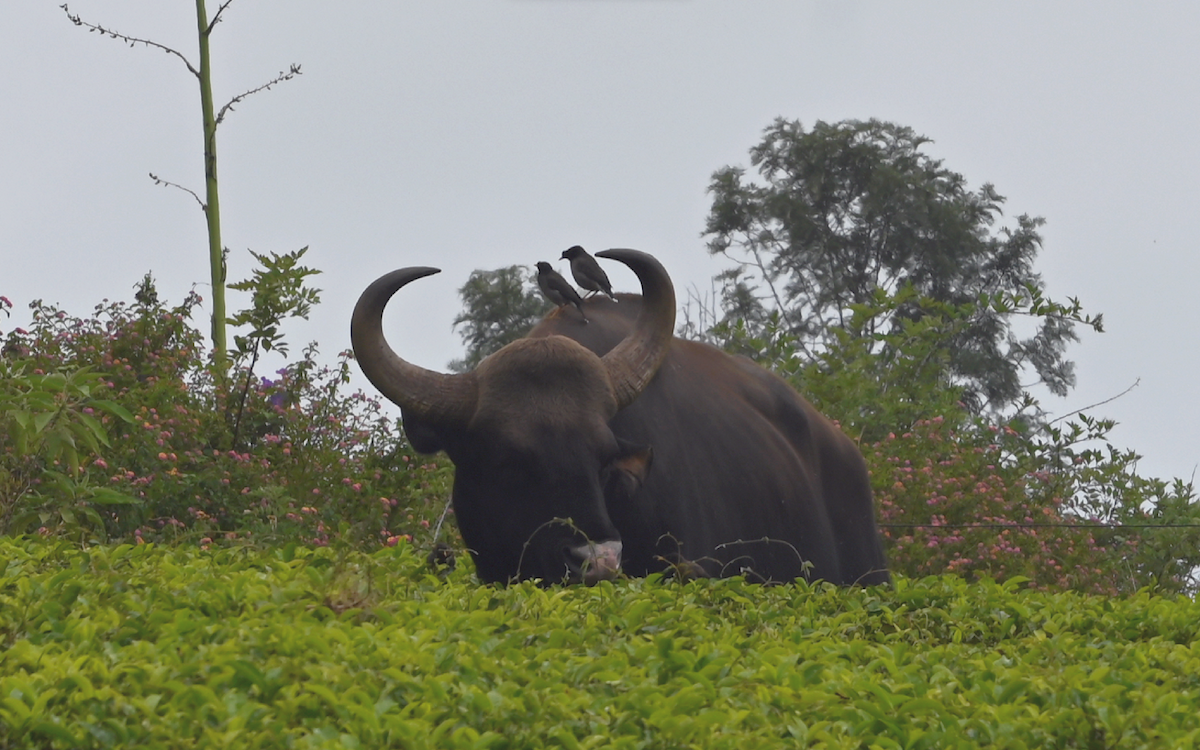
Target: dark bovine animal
{"x": 582, "y": 450}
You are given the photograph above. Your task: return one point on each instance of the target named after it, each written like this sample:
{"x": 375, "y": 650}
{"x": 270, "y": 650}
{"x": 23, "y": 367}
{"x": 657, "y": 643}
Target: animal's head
{"x": 535, "y": 461}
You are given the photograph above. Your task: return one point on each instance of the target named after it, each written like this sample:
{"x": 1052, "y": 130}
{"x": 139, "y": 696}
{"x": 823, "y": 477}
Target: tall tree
{"x": 846, "y": 210}
{"x": 498, "y": 307}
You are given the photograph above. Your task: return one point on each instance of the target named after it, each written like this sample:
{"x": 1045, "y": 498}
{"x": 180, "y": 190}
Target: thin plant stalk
{"x": 212, "y": 204}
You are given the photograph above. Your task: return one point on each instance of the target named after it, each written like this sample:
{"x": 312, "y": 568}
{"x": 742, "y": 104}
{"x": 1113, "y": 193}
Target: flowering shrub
{"x": 49, "y": 424}
{"x": 986, "y": 494}
{"x": 138, "y": 438}
{"x": 956, "y": 501}
{"x": 211, "y": 456}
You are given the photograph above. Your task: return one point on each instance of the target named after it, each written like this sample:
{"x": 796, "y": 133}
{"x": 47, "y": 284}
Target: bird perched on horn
{"x": 587, "y": 272}
{"x": 557, "y": 289}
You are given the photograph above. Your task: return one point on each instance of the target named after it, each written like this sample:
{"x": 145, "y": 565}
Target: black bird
{"x": 557, "y": 289}
{"x": 587, "y": 272}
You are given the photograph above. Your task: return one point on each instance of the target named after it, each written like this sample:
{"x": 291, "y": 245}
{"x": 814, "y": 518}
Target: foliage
{"x": 848, "y": 210}
{"x": 294, "y": 457}
{"x": 1051, "y": 501}
{"x": 1157, "y": 522}
{"x": 278, "y": 292}
{"x": 964, "y": 502}
{"x": 875, "y": 378}
{"x": 169, "y": 451}
{"x": 499, "y": 307}
{"x": 295, "y": 647}
{"x": 872, "y": 383}
{"x": 48, "y": 427}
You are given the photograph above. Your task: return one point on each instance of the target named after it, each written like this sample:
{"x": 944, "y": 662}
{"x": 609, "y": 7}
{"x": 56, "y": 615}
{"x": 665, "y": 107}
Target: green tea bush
{"x": 301, "y": 647}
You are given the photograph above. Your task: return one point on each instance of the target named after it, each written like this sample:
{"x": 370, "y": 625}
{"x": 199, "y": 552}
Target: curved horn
{"x": 428, "y": 395}
{"x": 633, "y": 362}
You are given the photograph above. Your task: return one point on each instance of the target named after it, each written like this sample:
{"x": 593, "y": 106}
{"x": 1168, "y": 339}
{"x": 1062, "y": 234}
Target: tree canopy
{"x": 841, "y": 212}
{"x": 499, "y": 306}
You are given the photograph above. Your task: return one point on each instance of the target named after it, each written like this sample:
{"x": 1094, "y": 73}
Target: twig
{"x": 217, "y": 16}
{"x": 159, "y": 181}
{"x": 569, "y": 523}
{"x": 292, "y": 72}
{"x": 133, "y": 41}
{"x": 805, "y": 565}
{"x": 1136, "y": 383}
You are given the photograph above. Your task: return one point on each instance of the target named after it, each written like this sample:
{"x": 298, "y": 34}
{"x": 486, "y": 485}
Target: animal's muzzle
{"x": 596, "y": 561}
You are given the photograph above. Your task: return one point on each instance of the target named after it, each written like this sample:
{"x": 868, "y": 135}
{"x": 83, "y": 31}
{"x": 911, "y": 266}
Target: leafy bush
{"x": 47, "y": 428}
{"x": 209, "y": 455}
{"x": 115, "y": 425}
{"x": 314, "y": 648}
{"x": 955, "y": 502}
{"x": 1002, "y": 496}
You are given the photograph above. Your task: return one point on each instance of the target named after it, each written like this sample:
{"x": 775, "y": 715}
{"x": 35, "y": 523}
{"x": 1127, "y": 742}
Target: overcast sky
{"x": 481, "y": 134}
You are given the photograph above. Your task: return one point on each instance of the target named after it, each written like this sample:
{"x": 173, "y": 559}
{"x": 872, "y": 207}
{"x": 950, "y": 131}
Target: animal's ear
{"x": 421, "y": 436}
{"x": 627, "y": 472}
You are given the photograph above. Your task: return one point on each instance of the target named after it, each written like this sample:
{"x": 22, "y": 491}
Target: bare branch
{"x": 217, "y": 17}
{"x": 1136, "y": 383}
{"x": 132, "y": 41}
{"x": 168, "y": 183}
{"x": 292, "y": 72}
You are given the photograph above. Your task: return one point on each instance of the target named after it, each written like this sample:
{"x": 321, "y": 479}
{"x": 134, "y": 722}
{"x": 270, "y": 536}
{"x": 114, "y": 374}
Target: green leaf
{"x": 54, "y": 732}
{"x": 113, "y": 408}
{"x": 41, "y": 420}
{"x": 1012, "y": 690}
{"x": 93, "y": 431}
{"x": 106, "y": 496}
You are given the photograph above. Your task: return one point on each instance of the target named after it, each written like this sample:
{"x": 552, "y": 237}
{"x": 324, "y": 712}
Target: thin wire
{"x": 1038, "y": 526}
